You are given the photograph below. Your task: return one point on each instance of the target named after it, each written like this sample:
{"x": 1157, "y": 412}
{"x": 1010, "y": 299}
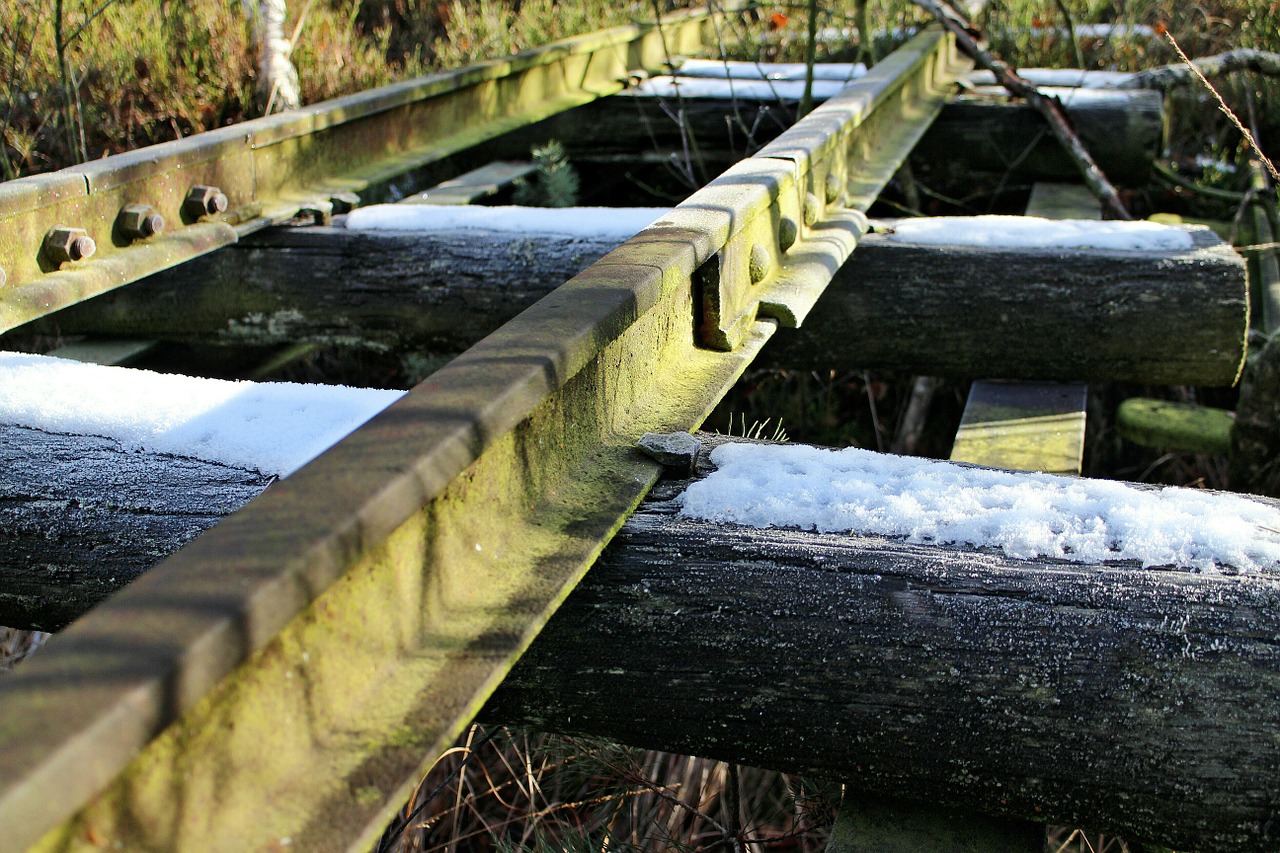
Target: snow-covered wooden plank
{"x": 1109, "y": 695}
{"x": 1012, "y": 297}
{"x": 108, "y": 470}
{"x": 1145, "y": 314}
{"x": 986, "y": 130}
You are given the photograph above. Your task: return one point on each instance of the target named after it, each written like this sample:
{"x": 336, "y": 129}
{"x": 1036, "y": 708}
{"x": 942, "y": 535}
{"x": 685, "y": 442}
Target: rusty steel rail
{"x": 281, "y": 680}
{"x": 72, "y": 234}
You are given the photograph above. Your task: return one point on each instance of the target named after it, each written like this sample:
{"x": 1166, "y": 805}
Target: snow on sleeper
{"x": 1024, "y": 515}
{"x": 1033, "y": 232}
{"x": 274, "y": 427}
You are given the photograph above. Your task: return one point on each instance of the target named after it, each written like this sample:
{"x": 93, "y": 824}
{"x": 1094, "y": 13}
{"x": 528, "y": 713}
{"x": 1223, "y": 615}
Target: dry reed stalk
{"x": 504, "y": 791}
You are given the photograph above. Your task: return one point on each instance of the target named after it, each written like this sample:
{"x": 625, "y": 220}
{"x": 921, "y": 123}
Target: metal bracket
{"x": 785, "y": 220}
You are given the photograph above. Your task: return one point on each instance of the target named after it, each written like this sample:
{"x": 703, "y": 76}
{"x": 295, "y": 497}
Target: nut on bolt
{"x": 64, "y": 244}
{"x": 788, "y": 231}
{"x": 139, "y": 221}
{"x": 204, "y": 201}
{"x": 833, "y": 187}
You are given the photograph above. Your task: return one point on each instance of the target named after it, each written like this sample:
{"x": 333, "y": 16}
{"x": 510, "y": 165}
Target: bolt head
{"x": 63, "y": 244}
{"x": 758, "y": 263}
{"x": 139, "y": 221}
{"x": 202, "y": 201}
{"x": 833, "y": 188}
{"x": 812, "y": 209}
{"x": 788, "y": 231}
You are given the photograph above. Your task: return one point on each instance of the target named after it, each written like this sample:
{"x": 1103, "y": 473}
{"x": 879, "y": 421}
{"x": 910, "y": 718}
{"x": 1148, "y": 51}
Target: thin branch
{"x": 810, "y": 57}
{"x": 75, "y": 34}
{"x": 1168, "y": 77}
{"x": 1164, "y": 172}
{"x": 1222, "y": 105}
{"x": 1071, "y": 32}
{"x": 1050, "y": 108}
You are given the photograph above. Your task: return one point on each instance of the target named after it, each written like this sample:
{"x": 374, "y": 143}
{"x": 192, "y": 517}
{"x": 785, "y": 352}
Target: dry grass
{"x": 505, "y": 790}
{"x": 17, "y": 645}
{"x": 147, "y": 71}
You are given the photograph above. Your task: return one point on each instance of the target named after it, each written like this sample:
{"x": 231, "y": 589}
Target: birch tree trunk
{"x": 277, "y": 78}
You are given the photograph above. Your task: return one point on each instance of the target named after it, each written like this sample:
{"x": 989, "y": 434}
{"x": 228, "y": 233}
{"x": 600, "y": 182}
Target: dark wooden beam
{"x": 984, "y": 130}
{"x": 1134, "y": 700}
{"x": 385, "y": 290}
{"x": 82, "y": 516}
{"x": 1041, "y": 314}
{"x": 961, "y": 311}
{"x": 1138, "y": 701}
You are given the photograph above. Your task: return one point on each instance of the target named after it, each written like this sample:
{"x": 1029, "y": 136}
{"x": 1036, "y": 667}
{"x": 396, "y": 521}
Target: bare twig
{"x": 1222, "y": 105}
{"x": 1050, "y": 108}
{"x": 1071, "y": 32}
{"x": 1168, "y": 77}
{"x": 689, "y": 143}
{"x": 810, "y": 57}
{"x": 1166, "y": 173}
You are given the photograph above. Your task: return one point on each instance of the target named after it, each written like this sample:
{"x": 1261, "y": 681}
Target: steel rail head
{"x": 282, "y": 679}
{"x": 264, "y": 171}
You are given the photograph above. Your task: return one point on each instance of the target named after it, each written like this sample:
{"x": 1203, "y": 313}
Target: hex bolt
{"x": 788, "y": 231}
{"x": 812, "y": 209}
{"x": 64, "y": 244}
{"x": 758, "y": 263}
{"x": 204, "y": 201}
{"x": 140, "y": 221}
{"x": 833, "y": 188}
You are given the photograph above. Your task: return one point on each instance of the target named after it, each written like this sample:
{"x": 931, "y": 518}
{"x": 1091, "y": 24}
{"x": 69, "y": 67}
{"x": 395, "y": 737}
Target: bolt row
{"x": 65, "y": 244}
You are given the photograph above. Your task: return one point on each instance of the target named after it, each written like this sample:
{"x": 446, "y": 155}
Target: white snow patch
{"x": 721, "y": 70}
{"x": 275, "y": 427}
{"x": 1070, "y": 96}
{"x": 743, "y": 90}
{"x": 851, "y": 34}
{"x": 618, "y": 223}
{"x": 1030, "y": 232}
{"x": 1067, "y": 78}
{"x": 1024, "y": 515}
{"x": 1120, "y": 31}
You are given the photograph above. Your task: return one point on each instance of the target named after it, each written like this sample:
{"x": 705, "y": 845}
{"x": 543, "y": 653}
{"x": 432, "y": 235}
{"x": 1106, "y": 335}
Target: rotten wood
{"x": 1050, "y": 108}
{"x": 1131, "y": 700}
{"x": 439, "y": 292}
{"x": 938, "y": 311}
{"x": 1047, "y": 314}
{"x": 1123, "y": 132}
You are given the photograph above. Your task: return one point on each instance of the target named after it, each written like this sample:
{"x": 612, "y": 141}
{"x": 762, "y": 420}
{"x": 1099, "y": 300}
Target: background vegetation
{"x": 85, "y": 78}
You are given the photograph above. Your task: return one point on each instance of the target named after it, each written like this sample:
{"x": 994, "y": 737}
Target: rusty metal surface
{"x": 271, "y": 167}
{"x": 282, "y": 680}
